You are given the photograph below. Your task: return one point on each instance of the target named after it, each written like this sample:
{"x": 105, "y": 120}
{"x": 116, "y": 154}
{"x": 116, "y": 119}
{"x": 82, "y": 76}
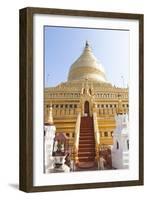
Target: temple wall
{"x": 65, "y": 103}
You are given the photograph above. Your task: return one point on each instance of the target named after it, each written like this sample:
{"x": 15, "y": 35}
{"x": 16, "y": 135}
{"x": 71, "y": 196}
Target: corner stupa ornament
{"x": 50, "y": 115}
{"x": 120, "y": 107}
{"x": 87, "y": 67}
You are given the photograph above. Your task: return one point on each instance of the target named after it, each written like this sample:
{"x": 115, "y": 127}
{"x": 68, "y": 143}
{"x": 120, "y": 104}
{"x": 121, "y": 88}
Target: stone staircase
{"x": 86, "y": 151}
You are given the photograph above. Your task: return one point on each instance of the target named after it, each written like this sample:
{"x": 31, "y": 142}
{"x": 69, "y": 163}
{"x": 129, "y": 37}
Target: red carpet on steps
{"x": 86, "y": 151}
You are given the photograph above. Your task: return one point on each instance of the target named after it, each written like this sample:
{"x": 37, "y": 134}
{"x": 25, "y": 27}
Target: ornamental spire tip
{"x": 87, "y": 44}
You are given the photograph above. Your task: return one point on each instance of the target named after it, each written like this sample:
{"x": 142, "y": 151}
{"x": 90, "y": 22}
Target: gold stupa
{"x": 85, "y": 93}
{"x": 87, "y": 67}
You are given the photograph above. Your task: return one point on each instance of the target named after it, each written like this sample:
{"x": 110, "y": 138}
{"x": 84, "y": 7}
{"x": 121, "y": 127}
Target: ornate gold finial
{"x": 50, "y": 116}
{"x": 87, "y": 44}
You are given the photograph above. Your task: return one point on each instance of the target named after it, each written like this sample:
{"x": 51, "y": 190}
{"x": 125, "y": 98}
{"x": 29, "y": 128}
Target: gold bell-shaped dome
{"x": 87, "y": 67}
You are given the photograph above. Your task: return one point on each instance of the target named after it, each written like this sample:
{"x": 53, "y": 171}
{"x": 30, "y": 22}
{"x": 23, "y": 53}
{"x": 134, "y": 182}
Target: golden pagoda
{"x": 84, "y": 107}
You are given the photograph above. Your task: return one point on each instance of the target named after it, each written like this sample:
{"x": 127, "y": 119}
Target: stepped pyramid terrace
{"x": 84, "y": 109}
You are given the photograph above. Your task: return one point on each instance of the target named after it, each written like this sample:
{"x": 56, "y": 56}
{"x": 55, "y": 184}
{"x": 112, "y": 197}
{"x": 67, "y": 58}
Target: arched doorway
{"x": 86, "y": 108}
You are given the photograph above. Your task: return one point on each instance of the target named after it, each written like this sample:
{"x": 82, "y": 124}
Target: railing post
{"x": 97, "y": 137}
{"x": 76, "y": 140}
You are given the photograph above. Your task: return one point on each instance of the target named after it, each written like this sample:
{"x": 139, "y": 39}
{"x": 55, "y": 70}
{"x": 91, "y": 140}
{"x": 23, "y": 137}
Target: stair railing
{"x": 97, "y": 136}
{"x": 77, "y": 135}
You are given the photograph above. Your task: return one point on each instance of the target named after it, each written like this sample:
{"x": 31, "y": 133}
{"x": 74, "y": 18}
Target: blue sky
{"x": 63, "y": 45}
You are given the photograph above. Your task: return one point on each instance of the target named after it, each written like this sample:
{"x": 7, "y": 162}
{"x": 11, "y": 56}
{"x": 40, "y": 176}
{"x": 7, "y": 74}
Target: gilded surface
{"x": 86, "y": 82}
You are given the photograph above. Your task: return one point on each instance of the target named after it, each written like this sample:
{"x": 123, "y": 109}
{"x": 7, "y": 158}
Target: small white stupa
{"x": 49, "y": 135}
{"x": 120, "y": 149}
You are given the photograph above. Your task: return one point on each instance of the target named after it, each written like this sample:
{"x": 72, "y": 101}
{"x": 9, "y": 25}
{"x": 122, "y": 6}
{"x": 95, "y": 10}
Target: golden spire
{"x": 87, "y": 67}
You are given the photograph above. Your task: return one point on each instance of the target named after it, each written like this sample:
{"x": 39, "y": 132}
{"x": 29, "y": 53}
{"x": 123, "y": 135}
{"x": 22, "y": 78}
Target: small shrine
{"x": 61, "y": 153}
{"x": 61, "y": 145}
